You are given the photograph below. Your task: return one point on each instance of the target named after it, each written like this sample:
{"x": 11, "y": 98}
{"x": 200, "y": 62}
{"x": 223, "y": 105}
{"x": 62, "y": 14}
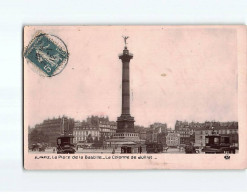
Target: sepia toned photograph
{"x": 134, "y": 97}
{"x": 123, "y": 96}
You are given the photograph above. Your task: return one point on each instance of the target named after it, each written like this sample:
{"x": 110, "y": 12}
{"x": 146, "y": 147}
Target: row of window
{"x": 83, "y": 128}
{"x": 108, "y": 130}
{"x": 172, "y": 138}
{"x": 104, "y": 125}
{"x": 126, "y": 134}
{"x": 80, "y": 128}
{"x": 184, "y": 132}
{"x": 107, "y": 133}
{"x": 224, "y": 131}
{"x": 86, "y": 132}
{"x": 183, "y": 135}
{"x": 82, "y": 138}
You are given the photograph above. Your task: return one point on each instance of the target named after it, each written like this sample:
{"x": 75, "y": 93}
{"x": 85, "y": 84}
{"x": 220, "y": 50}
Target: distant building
{"x": 143, "y": 134}
{"x": 149, "y": 136}
{"x": 85, "y": 133}
{"x": 225, "y": 129}
{"x": 155, "y": 132}
{"x": 161, "y": 138}
{"x": 200, "y": 134}
{"x": 185, "y": 137}
{"x": 56, "y": 127}
{"x": 186, "y": 132}
{"x": 173, "y": 139}
{"x": 179, "y": 125}
{"x": 158, "y": 125}
{"x": 106, "y": 128}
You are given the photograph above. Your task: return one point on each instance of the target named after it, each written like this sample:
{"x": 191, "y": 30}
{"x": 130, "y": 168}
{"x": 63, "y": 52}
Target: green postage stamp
{"x": 48, "y": 53}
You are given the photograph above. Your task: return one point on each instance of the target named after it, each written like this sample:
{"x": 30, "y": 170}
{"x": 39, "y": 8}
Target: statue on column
{"x": 125, "y": 40}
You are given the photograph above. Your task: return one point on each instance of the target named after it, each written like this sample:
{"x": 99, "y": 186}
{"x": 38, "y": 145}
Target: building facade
{"x": 94, "y": 127}
{"x": 156, "y": 133}
{"x": 143, "y": 134}
{"x": 85, "y": 133}
{"x": 106, "y": 127}
{"x": 53, "y": 128}
{"x": 186, "y": 132}
{"x": 173, "y": 139}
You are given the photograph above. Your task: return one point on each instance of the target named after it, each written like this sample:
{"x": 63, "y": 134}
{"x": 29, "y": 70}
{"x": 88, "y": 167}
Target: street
{"x": 174, "y": 150}
{"x": 104, "y": 151}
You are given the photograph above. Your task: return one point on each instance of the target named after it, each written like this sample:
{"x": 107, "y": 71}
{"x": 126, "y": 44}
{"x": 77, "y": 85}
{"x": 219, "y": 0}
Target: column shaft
{"x": 125, "y": 89}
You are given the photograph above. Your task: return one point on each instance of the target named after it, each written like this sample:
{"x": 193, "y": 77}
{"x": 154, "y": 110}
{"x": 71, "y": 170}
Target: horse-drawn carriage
{"x": 65, "y": 145}
{"x": 218, "y": 144}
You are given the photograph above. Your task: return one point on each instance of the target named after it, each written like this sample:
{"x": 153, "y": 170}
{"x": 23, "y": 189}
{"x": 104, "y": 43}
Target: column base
{"x": 125, "y": 123}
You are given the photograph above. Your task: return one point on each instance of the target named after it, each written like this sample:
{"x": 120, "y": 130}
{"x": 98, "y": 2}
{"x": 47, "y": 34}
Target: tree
{"x": 100, "y": 141}
{"x": 161, "y": 138}
{"x": 34, "y": 136}
{"x": 89, "y": 139}
{"x": 97, "y": 143}
{"x": 96, "y": 140}
{"x": 71, "y": 125}
{"x": 37, "y": 137}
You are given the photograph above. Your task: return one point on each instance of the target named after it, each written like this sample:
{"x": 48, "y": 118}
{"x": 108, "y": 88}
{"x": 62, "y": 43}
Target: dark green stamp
{"x": 47, "y": 52}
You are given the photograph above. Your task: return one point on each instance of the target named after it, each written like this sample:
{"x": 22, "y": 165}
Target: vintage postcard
{"x": 135, "y": 97}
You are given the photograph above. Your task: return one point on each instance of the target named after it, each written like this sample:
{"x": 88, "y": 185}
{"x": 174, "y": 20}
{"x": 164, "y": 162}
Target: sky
{"x": 177, "y": 73}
